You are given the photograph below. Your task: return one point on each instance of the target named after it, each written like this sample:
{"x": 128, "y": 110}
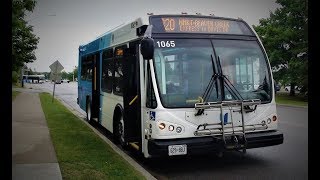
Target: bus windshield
{"x": 184, "y": 68}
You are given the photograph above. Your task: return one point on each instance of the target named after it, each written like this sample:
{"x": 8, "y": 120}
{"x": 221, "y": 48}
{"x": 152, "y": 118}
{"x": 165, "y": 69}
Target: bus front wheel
{"x": 119, "y": 132}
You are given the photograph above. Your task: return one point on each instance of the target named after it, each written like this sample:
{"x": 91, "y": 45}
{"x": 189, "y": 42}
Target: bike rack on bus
{"x": 228, "y": 130}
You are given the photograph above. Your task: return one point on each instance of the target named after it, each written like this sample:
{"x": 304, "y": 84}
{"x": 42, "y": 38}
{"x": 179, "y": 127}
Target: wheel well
{"x": 117, "y": 113}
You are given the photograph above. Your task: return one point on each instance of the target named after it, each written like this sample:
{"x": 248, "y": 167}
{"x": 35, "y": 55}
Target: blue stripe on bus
{"x": 96, "y": 45}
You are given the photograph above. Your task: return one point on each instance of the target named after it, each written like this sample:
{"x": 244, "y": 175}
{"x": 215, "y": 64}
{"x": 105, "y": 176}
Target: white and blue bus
{"x": 34, "y": 78}
{"x": 180, "y": 84}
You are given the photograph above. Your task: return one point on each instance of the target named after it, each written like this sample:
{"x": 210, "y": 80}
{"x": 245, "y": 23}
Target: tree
{"x": 64, "y": 75}
{"x": 75, "y": 72}
{"x": 285, "y": 37}
{"x": 24, "y": 42}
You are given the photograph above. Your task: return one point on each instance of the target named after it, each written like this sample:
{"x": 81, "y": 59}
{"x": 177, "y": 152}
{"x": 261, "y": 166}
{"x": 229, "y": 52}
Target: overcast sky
{"x": 63, "y": 25}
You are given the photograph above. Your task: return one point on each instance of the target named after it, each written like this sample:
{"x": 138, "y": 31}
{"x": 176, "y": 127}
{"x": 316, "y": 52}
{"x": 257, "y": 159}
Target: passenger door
{"x": 132, "y": 95}
{"x": 96, "y": 86}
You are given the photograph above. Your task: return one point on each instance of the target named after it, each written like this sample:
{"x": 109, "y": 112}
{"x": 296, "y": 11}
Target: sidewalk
{"x": 33, "y": 155}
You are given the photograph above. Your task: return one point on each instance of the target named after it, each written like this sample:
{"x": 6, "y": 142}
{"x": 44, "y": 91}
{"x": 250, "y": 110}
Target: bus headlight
{"x": 171, "y": 128}
{"x": 268, "y": 120}
{"x": 167, "y": 128}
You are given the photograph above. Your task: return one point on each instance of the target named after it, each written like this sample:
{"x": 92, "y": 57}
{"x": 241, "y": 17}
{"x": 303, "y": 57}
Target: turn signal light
{"x": 162, "y": 126}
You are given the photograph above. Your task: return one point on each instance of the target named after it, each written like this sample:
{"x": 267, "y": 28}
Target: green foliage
{"x": 64, "y": 75}
{"x": 70, "y": 75}
{"x": 30, "y": 72}
{"x": 285, "y": 37}
{"x": 15, "y": 77}
{"x": 75, "y": 72}
{"x": 24, "y": 42}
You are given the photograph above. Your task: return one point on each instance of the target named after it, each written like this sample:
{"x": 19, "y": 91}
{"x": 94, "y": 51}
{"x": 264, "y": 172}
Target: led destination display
{"x": 198, "y": 25}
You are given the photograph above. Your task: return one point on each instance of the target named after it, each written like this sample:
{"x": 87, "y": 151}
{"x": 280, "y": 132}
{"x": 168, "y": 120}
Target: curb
{"x": 131, "y": 161}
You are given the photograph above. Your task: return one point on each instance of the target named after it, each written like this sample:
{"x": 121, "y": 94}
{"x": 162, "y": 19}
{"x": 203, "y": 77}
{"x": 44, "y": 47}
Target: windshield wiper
{"x": 233, "y": 91}
{"x": 209, "y": 87}
{"x": 226, "y": 83}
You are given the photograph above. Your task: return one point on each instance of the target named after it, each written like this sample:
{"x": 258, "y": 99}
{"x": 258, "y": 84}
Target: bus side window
{"x": 83, "y": 68}
{"x": 89, "y": 68}
{"x": 151, "y": 98}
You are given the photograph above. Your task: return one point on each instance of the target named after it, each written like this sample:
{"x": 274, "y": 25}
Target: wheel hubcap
{"x": 121, "y": 130}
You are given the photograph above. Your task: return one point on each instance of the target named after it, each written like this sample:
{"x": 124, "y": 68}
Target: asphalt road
{"x": 286, "y": 161}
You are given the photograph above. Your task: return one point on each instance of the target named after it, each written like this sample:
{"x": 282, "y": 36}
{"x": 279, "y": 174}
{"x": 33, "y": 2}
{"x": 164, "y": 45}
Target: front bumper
{"x": 159, "y": 147}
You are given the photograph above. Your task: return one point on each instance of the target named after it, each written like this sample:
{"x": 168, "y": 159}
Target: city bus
{"x": 169, "y": 85}
{"x": 34, "y": 78}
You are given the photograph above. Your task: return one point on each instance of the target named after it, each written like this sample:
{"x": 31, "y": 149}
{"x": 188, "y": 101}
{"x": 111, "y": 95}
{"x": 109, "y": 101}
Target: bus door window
{"x": 107, "y": 71}
{"x": 89, "y": 68}
{"x": 118, "y": 70}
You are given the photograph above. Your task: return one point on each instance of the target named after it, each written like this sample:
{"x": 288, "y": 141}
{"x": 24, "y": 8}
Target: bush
{"x": 15, "y": 77}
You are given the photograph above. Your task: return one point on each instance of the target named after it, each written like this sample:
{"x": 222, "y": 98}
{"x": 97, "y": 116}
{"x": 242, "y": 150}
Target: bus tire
{"x": 88, "y": 111}
{"x": 119, "y": 131}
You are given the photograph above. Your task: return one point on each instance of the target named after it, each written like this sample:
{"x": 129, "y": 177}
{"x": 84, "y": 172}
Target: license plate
{"x": 177, "y": 150}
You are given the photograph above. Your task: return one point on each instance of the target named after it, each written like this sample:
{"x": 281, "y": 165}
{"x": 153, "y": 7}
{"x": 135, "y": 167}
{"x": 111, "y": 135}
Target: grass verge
{"x": 14, "y": 94}
{"x": 285, "y": 99}
{"x": 16, "y": 85}
{"x": 81, "y": 153}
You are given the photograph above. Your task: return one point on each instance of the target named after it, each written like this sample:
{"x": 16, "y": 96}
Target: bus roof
{"x": 123, "y": 33}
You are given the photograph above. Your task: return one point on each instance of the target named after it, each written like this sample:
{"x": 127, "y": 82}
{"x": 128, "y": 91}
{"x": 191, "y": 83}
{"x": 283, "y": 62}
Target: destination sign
{"x": 171, "y": 24}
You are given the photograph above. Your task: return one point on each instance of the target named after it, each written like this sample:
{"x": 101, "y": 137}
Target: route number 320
{"x": 166, "y": 44}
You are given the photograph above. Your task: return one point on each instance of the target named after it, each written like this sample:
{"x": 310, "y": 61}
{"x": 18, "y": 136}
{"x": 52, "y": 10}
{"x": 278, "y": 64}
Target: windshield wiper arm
{"x": 226, "y": 83}
{"x": 209, "y": 87}
{"x": 233, "y": 90}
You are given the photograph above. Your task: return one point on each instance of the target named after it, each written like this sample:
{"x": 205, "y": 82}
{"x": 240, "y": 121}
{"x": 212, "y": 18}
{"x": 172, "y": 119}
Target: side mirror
{"x": 147, "y": 48}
